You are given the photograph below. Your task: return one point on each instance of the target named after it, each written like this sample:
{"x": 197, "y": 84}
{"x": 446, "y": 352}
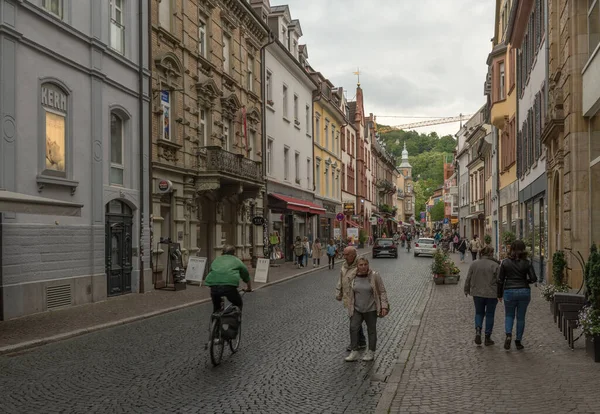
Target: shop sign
{"x": 258, "y": 220}
{"x": 165, "y": 186}
{"x": 349, "y": 208}
{"x": 373, "y": 220}
{"x": 355, "y": 218}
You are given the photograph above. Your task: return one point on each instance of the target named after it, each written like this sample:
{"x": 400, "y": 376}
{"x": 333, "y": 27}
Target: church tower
{"x": 405, "y": 166}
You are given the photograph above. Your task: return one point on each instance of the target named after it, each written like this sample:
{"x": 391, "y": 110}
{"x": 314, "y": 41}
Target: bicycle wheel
{"x": 216, "y": 343}
{"x": 234, "y": 344}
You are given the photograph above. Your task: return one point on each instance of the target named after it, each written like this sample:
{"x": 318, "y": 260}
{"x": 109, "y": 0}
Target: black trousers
{"x": 230, "y": 292}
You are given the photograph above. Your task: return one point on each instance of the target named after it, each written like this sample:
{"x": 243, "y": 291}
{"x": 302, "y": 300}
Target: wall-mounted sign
{"x": 349, "y": 208}
{"x": 340, "y": 216}
{"x": 373, "y": 220}
{"x": 258, "y": 220}
{"x": 164, "y": 186}
{"x": 355, "y": 218}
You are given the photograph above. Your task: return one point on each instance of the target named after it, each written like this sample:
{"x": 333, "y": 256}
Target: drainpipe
{"x": 141, "y": 135}
{"x": 263, "y": 128}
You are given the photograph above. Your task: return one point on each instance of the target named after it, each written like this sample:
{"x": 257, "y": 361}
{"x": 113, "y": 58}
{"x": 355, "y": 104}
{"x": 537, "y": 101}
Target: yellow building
{"x": 328, "y": 121}
{"x": 502, "y": 95}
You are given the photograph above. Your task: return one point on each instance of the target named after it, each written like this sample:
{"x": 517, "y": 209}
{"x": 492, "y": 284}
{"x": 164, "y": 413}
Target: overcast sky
{"x": 416, "y": 57}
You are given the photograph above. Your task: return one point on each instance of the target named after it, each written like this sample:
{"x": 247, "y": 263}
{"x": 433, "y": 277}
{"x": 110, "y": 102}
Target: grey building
{"x": 74, "y": 105}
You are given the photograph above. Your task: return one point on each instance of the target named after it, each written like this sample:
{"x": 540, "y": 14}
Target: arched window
{"x": 117, "y": 164}
{"x": 56, "y": 129}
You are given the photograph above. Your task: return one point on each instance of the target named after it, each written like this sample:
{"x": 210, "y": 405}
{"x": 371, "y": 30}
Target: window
{"x": 318, "y": 129}
{"x": 228, "y": 134}
{"x": 270, "y": 156}
{"x": 296, "y": 116}
{"x": 501, "y": 81}
{"x": 250, "y": 74}
{"x": 326, "y": 134}
{"x": 226, "y": 54}
{"x": 297, "y": 167}
{"x": 116, "y": 149}
{"x": 308, "y": 120}
{"x": 269, "y": 87}
{"x": 117, "y": 28}
{"x": 326, "y": 180}
{"x": 344, "y": 185}
{"x": 165, "y": 102}
{"x": 318, "y": 176}
{"x": 202, "y": 44}
{"x": 593, "y": 25}
{"x": 254, "y": 146}
{"x": 337, "y": 142}
{"x": 202, "y": 126}
{"x": 55, "y": 7}
{"x": 308, "y": 173}
{"x": 285, "y": 101}
{"x": 164, "y": 14}
{"x": 512, "y": 68}
{"x": 56, "y": 110}
{"x": 286, "y": 164}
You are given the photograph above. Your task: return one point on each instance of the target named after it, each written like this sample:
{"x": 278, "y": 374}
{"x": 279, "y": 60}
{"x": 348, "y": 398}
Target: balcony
{"x": 500, "y": 113}
{"x": 385, "y": 186}
{"x": 230, "y": 166}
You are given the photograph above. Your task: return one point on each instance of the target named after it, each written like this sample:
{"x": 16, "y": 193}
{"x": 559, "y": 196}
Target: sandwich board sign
{"x": 195, "y": 269}
{"x": 262, "y": 270}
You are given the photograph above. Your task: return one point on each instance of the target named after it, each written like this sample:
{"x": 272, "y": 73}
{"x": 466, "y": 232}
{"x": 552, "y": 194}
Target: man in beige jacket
{"x": 347, "y": 272}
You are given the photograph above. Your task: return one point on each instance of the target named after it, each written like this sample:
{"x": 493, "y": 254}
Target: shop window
{"x": 55, "y": 129}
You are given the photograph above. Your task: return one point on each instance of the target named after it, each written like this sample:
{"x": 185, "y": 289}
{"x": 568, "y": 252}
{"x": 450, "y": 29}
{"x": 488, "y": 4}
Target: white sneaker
{"x": 368, "y": 356}
{"x": 352, "y": 357}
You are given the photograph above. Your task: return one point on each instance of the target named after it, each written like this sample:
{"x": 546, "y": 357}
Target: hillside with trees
{"x": 426, "y": 154}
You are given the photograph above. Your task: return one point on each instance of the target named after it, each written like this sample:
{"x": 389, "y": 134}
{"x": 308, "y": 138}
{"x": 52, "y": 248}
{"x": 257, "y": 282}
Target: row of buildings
{"x": 528, "y": 163}
{"x": 194, "y": 122}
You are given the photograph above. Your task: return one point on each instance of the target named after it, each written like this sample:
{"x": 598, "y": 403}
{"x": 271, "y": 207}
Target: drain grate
{"x": 58, "y": 296}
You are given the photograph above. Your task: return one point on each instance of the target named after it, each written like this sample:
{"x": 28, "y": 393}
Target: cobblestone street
{"x": 447, "y": 373}
{"x": 290, "y": 360}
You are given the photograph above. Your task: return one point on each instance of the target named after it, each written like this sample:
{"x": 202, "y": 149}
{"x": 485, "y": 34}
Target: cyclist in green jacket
{"x": 224, "y": 278}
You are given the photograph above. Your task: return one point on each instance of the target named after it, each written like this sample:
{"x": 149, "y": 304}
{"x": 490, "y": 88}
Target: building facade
{"x": 86, "y": 86}
{"x": 348, "y": 137}
{"x": 385, "y": 178}
{"x": 207, "y": 137}
{"x": 289, "y": 147}
{"x": 528, "y": 36}
{"x": 569, "y": 126}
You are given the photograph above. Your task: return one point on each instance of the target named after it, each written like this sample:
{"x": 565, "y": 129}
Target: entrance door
{"x": 118, "y": 242}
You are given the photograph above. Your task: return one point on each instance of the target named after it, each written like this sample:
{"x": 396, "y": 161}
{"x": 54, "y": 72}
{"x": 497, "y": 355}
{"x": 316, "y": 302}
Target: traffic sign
{"x": 380, "y": 220}
{"x": 340, "y": 216}
{"x": 446, "y": 221}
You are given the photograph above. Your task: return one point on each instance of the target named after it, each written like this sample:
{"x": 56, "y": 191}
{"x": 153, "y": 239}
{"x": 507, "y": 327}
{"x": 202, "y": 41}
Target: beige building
{"x": 207, "y": 146}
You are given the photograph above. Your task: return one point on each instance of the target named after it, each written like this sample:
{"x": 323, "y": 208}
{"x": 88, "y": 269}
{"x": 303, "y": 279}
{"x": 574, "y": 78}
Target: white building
{"x": 289, "y": 143}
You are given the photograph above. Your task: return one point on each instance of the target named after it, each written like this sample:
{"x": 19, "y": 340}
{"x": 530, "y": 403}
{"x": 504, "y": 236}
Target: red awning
{"x": 299, "y": 205}
{"x": 354, "y": 224}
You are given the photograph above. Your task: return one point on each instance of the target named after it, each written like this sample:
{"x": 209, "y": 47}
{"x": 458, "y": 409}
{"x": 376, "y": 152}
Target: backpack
{"x": 230, "y": 322}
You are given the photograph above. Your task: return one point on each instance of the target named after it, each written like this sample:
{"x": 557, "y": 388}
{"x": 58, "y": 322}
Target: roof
{"x": 352, "y": 110}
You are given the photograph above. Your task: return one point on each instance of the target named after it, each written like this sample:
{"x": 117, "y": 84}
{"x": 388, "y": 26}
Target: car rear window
{"x": 385, "y": 242}
{"x": 425, "y": 241}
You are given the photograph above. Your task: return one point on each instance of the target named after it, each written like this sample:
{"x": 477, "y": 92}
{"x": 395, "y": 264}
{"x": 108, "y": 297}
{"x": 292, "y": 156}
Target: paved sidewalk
{"x": 446, "y": 373}
{"x": 52, "y": 326}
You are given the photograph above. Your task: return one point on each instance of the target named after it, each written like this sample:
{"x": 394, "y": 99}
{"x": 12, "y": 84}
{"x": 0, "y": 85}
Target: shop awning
{"x": 297, "y": 204}
{"x": 353, "y": 224}
{"x": 11, "y": 202}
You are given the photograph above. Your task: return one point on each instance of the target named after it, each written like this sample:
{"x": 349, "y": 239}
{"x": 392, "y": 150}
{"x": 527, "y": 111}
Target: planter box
{"x": 592, "y": 347}
{"x": 438, "y": 279}
{"x": 451, "y": 280}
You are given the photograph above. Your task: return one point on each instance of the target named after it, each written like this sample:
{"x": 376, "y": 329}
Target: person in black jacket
{"x": 514, "y": 277}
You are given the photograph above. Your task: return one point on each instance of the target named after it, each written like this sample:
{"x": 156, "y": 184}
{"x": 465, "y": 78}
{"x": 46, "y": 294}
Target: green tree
{"x": 437, "y": 211}
{"x": 423, "y": 189}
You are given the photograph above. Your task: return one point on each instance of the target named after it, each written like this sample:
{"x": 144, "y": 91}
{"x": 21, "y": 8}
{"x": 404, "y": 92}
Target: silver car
{"x": 425, "y": 246}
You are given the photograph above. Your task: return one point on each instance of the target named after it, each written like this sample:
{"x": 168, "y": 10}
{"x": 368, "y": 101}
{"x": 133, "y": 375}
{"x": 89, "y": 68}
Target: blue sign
{"x": 422, "y": 214}
{"x": 340, "y": 216}
{"x": 446, "y": 221}
{"x": 164, "y": 96}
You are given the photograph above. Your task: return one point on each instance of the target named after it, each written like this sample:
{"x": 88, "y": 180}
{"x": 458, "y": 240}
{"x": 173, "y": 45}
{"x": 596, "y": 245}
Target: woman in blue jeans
{"x": 514, "y": 277}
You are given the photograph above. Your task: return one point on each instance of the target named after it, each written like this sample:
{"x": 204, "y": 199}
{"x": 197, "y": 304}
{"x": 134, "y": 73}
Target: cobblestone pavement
{"x": 77, "y": 320}
{"x": 447, "y": 373}
{"x": 290, "y": 360}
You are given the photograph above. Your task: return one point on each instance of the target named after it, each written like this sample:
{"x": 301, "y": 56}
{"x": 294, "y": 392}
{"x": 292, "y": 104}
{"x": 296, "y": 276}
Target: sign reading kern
{"x": 54, "y": 99}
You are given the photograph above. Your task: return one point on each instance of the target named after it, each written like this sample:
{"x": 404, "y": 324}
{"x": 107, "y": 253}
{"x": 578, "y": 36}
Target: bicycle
{"x": 408, "y": 246}
{"x": 217, "y": 335}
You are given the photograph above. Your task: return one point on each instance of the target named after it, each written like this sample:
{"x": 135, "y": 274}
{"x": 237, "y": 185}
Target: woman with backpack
{"x": 462, "y": 248}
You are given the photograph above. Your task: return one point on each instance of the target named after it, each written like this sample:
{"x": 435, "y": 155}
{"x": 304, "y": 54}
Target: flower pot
{"x": 592, "y": 347}
{"x": 451, "y": 280}
{"x": 438, "y": 279}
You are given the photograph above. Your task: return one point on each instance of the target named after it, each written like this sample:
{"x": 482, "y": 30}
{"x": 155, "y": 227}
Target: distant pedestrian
{"x": 455, "y": 241}
{"x": 462, "y": 249}
{"x": 306, "y": 245}
{"x": 331, "y": 252}
{"x": 317, "y": 252}
{"x": 474, "y": 247}
{"x": 365, "y": 298}
{"x": 482, "y": 284}
{"x": 299, "y": 251}
{"x": 514, "y": 277}
{"x": 348, "y": 272}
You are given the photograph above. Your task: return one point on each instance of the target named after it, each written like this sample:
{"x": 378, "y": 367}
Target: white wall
{"x": 591, "y": 86}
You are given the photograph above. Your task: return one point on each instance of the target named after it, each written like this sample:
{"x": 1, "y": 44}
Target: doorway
{"x": 118, "y": 250}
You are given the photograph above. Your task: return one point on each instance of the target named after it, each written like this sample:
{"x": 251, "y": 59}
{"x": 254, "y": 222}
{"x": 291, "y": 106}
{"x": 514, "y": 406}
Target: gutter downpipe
{"x": 263, "y": 128}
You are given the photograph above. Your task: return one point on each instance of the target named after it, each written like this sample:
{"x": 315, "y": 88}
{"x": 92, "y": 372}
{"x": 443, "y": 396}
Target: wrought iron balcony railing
{"x": 219, "y": 160}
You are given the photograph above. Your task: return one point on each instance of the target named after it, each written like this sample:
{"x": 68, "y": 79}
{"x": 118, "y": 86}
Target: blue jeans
{"x": 462, "y": 256}
{"x": 485, "y": 307}
{"x": 516, "y": 301}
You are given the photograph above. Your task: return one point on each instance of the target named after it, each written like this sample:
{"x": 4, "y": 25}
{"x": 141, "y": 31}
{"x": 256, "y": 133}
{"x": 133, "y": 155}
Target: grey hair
{"x": 229, "y": 249}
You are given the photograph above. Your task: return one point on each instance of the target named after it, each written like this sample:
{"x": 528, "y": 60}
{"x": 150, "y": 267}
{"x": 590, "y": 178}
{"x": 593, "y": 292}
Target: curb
{"x": 82, "y": 331}
{"x": 387, "y": 397}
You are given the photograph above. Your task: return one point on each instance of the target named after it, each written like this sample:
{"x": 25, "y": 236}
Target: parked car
{"x": 385, "y": 247}
{"x": 425, "y": 246}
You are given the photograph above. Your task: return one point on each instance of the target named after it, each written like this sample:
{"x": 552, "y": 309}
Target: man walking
{"x": 349, "y": 269}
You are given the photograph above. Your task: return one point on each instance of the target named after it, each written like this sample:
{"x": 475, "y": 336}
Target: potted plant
{"x": 589, "y": 316}
{"x": 487, "y": 239}
{"x": 438, "y": 267}
{"x": 452, "y": 272}
{"x": 362, "y": 238}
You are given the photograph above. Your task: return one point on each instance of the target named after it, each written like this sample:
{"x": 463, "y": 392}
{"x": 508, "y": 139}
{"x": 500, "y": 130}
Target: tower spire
{"x": 357, "y": 73}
